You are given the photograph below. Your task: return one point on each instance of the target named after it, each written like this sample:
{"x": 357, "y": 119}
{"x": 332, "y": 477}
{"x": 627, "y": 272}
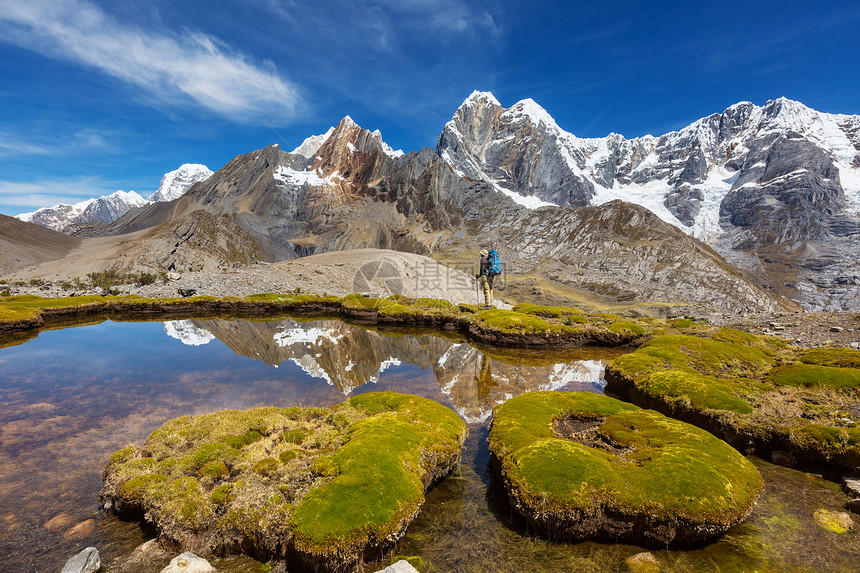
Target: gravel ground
{"x": 381, "y": 273}
{"x": 802, "y": 328}
{"x": 371, "y": 271}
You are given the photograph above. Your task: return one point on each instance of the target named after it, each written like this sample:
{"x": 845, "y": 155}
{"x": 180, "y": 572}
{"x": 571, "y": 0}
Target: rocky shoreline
{"x": 804, "y": 329}
{"x": 488, "y": 326}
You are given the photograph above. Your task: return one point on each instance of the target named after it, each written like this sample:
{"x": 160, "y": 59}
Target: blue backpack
{"x": 495, "y": 264}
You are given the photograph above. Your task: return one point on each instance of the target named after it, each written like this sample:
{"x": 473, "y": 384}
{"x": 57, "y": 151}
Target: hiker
{"x": 488, "y": 270}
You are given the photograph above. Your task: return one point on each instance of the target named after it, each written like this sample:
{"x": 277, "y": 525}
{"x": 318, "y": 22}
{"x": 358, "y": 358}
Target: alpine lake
{"x": 71, "y": 396}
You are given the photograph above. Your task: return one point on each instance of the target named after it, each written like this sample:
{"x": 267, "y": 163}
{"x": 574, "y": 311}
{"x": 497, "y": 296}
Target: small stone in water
{"x": 59, "y": 522}
{"x": 80, "y": 530}
{"x": 835, "y": 521}
{"x": 644, "y": 562}
{"x": 87, "y": 561}
{"x": 402, "y": 566}
{"x": 188, "y": 563}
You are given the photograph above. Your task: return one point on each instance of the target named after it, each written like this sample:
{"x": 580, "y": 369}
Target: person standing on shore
{"x": 485, "y": 278}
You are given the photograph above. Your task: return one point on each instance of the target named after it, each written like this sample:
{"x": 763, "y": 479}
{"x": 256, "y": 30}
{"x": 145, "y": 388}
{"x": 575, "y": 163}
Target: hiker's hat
{"x": 485, "y": 253}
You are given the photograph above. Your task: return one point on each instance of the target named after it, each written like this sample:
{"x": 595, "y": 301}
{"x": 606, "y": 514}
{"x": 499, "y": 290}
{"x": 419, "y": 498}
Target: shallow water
{"x": 70, "y": 397}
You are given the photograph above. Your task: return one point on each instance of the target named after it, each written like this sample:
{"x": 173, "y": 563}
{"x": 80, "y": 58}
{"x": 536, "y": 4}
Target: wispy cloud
{"x": 380, "y": 21}
{"x": 175, "y": 67}
{"x": 11, "y": 145}
{"x": 401, "y": 59}
{"x": 785, "y": 43}
{"x": 82, "y": 141}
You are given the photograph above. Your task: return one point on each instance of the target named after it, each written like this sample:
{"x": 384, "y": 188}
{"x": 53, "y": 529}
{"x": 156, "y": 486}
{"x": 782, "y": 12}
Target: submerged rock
{"x": 322, "y": 487}
{"x": 59, "y": 522}
{"x": 80, "y": 530}
{"x": 783, "y": 458}
{"x": 643, "y": 563}
{"x": 581, "y": 465}
{"x": 87, "y": 561}
{"x": 755, "y": 392}
{"x": 145, "y": 556}
{"x": 835, "y": 521}
{"x": 851, "y": 486}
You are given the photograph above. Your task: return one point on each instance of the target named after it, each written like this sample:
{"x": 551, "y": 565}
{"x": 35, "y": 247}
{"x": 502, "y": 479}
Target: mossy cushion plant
{"x": 326, "y": 487}
{"x": 582, "y": 465}
{"x": 527, "y": 325}
{"x": 758, "y": 392}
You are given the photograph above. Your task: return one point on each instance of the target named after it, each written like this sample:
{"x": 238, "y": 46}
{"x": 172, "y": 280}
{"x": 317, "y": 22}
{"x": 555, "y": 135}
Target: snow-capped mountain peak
{"x": 312, "y": 144}
{"x": 175, "y": 183}
{"x": 480, "y": 98}
{"x": 529, "y": 108}
{"x": 387, "y": 149}
{"x": 111, "y": 207}
{"x": 107, "y": 209}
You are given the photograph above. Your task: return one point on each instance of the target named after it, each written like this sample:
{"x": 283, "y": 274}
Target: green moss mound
{"x": 325, "y": 487}
{"x": 511, "y": 321}
{"x": 547, "y": 311}
{"x": 581, "y": 465}
{"x": 527, "y": 325}
{"x": 836, "y": 357}
{"x": 756, "y": 391}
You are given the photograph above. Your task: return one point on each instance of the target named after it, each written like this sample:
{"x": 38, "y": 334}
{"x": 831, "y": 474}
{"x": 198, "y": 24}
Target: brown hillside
{"x": 25, "y": 244}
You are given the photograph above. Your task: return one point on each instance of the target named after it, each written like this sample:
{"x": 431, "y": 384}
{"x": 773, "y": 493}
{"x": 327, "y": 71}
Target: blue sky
{"x": 100, "y": 96}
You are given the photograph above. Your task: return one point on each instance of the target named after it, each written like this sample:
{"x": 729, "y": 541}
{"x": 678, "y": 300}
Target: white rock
{"x": 87, "y": 561}
{"x": 188, "y": 563}
{"x": 401, "y": 566}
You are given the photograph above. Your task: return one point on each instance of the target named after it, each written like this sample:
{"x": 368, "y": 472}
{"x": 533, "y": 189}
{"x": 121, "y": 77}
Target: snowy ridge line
{"x": 648, "y": 171}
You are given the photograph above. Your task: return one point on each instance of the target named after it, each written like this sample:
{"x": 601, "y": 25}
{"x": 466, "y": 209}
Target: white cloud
{"x": 14, "y": 145}
{"x": 190, "y": 67}
{"x": 385, "y": 23}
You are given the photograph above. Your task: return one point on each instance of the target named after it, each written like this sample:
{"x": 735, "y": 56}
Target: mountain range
{"x": 740, "y": 210}
{"x": 109, "y": 208}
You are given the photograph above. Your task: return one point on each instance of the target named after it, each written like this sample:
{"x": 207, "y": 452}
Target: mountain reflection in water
{"x": 348, "y": 357}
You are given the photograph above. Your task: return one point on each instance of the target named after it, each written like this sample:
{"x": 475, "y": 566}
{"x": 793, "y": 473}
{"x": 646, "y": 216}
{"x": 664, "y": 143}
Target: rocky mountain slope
{"x": 775, "y": 189}
{"x": 354, "y": 191}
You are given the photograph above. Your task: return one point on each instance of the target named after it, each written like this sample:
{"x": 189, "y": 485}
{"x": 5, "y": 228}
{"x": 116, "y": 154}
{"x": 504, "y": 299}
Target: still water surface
{"x": 71, "y": 397}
